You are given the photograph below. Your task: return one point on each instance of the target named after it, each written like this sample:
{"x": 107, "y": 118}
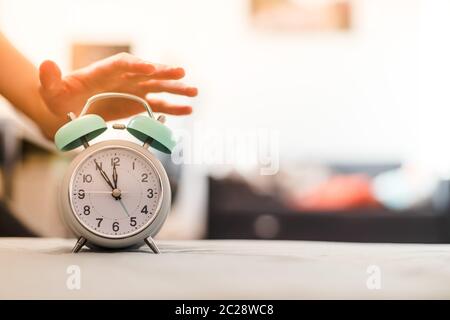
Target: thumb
{"x": 50, "y": 77}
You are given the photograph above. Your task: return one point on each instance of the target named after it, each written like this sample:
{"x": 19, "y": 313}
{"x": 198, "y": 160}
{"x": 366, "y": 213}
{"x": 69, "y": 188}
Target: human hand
{"x": 119, "y": 73}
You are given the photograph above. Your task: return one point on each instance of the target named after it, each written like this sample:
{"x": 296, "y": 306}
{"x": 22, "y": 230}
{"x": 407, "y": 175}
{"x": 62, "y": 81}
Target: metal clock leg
{"x": 151, "y": 243}
{"x": 80, "y": 243}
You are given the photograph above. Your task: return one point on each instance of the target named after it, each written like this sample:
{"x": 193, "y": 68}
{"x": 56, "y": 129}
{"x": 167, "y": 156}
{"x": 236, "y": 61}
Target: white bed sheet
{"x": 37, "y": 269}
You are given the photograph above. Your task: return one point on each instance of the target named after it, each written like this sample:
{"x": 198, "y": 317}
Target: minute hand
{"x": 104, "y": 175}
{"x": 115, "y": 176}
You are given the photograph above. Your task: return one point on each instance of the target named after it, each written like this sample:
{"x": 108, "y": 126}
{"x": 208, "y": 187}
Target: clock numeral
{"x": 81, "y": 194}
{"x": 144, "y": 177}
{"x": 115, "y": 226}
{"x": 144, "y": 209}
{"x": 133, "y": 221}
{"x": 150, "y": 193}
{"x": 134, "y": 165}
{"x": 87, "y": 210}
{"x": 115, "y": 161}
{"x": 87, "y": 178}
{"x": 99, "y": 222}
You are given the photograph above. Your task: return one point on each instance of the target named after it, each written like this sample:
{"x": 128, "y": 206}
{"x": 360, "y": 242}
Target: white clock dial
{"x": 111, "y": 210}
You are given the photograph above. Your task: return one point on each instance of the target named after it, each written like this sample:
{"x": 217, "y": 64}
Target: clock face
{"x": 115, "y": 192}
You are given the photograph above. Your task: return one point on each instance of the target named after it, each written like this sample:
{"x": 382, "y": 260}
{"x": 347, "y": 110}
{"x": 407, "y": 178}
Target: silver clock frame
{"x": 94, "y": 239}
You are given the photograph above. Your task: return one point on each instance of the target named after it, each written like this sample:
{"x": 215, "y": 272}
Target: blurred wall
{"x": 334, "y": 96}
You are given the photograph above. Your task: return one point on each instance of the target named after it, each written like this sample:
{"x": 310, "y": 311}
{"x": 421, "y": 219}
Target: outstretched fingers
{"x": 118, "y": 65}
{"x": 169, "y": 86}
{"x": 163, "y": 106}
{"x": 161, "y": 72}
{"x": 124, "y": 110}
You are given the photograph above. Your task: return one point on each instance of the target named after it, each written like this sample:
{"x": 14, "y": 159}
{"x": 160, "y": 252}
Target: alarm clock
{"x": 115, "y": 193}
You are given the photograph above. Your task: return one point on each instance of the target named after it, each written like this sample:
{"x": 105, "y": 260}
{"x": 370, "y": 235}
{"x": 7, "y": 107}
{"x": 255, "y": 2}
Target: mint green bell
{"x": 149, "y": 130}
{"x": 78, "y": 131}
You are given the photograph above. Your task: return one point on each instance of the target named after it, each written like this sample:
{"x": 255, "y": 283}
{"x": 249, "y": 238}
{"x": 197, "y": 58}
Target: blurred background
{"x": 353, "y": 95}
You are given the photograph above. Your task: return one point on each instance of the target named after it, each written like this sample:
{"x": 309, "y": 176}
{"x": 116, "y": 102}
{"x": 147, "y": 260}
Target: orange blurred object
{"x": 340, "y": 192}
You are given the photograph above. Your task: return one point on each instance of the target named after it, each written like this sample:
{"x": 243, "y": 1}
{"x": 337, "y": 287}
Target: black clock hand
{"x": 104, "y": 175}
{"x": 115, "y": 176}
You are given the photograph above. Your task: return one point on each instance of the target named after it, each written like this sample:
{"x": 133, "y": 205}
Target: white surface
{"x": 36, "y": 268}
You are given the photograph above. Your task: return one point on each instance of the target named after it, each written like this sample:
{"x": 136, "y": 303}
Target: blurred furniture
{"x": 38, "y": 269}
{"x": 237, "y": 212}
{"x": 10, "y": 226}
{"x": 10, "y": 146}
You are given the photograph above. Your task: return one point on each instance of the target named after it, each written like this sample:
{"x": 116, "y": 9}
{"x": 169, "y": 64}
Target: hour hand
{"x": 115, "y": 176}
{"x": 104, "y": 175}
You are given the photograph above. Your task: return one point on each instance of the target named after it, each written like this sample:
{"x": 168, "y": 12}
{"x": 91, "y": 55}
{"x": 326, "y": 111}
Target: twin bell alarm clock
{"x": 115, "y": 193}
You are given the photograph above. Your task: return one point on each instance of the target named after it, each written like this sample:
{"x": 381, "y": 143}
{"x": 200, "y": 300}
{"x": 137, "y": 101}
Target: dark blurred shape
{"x": 238, "y": 211}
{"x": 10, "y": 226}
{"x": 10, "y": 148}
